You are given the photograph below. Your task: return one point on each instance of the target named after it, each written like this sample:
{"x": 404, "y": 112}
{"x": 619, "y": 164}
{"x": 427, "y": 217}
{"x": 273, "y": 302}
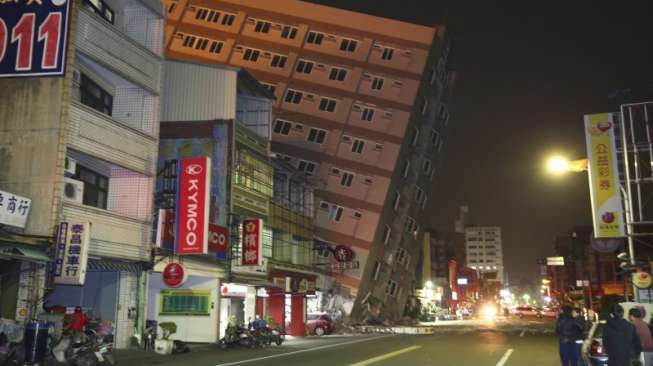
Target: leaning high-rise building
{"x": 361, "y": 109}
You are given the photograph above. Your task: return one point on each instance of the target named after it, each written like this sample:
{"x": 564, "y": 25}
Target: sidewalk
{"x": 139, "y": 354}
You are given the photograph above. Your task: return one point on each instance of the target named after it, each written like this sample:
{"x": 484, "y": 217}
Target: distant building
{"x": 362, "y": 106}
{"x": 484, "y": 250}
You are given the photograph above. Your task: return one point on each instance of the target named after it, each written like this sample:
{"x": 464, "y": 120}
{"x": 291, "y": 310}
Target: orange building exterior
{"x": 361, "y": 108}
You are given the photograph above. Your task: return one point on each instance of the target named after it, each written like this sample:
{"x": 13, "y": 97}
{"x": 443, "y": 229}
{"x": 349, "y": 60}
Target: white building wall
{"x": 484, "y": 248}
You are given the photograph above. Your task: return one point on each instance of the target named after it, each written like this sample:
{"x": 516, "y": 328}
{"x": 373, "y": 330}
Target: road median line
{"x": 385, "y": 356}
{"x": 505, "y": 357}
{"x": 301, "y": 351}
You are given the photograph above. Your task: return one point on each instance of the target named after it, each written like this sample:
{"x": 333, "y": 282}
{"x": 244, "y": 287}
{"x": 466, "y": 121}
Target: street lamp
{"x": 558, "y": 165}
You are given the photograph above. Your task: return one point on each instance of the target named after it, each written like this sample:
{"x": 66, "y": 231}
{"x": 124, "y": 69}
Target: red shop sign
{"x": 218, "y": 240}
{"x": 192, "y": 222}
{"x": 174, "y": 274}
{"x": 252, "y": 253}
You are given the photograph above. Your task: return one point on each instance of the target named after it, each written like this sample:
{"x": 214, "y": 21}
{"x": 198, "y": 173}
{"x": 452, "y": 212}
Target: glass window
{"x": 377, "y": 83}
{"x": 278, "y": 61}
{"x": 348, "y": 45}
{"x": 251, "y": 55}
{"x": 358, "y": 146}
{"x": 293, "y": 96}
{"x": 304, "y": 67}
{"x": 367, "y": 114}
{"x": 262, "y": 26}
{"x": 337, "y": 74}
{"x": 315, "y": 37}
{"x": 288, "y": 32}
{"x": 327, "y": 104}
{"x": 282, "y": 127}
{"x": 316, "y": 135}
{"x": 387, "y": 53}
{"x": 346, "y": 179}
{"x": 96, "y": 187}
{"x": 94, "y": 96}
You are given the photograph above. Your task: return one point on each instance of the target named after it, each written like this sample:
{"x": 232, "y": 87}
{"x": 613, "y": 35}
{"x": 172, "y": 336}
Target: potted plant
{"x": 164, "y": 345}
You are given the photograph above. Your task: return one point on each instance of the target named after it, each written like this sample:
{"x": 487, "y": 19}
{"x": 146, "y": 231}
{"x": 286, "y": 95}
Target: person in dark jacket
{"x": 620, "y": 339}
{"x": 568, "y": 330}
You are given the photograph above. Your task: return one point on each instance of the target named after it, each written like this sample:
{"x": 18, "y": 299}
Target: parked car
{"x": 593, "y": 352}
{"x": 319, "y": 324}
{"x": 546, "y": 312}
{"x": 525, "y": 310}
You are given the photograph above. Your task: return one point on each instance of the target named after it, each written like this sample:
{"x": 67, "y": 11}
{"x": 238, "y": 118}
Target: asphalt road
{"x": 531, "y": 345}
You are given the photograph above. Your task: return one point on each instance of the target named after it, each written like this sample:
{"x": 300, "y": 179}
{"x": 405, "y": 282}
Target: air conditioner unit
{"x": 73, "y": 190}
{"x": 70, "y": 165}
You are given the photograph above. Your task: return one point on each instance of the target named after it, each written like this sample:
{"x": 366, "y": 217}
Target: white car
{"x": 525, "y": 310}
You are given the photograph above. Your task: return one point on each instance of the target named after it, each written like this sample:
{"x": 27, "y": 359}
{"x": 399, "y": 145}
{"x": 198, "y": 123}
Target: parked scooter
{"x": 237, "y": 336}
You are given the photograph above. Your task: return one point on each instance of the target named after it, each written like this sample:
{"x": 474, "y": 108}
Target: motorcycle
{"x": 237, "y": 336}
{"x": 83, "y": 349}
{"x": 269, "y": 335}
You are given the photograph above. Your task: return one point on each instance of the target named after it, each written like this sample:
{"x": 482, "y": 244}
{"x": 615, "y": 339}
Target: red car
{"x": 319, "y": 324}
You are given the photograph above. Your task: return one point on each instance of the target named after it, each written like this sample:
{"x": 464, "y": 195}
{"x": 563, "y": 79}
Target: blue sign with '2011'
{"x": 33, "y": 37}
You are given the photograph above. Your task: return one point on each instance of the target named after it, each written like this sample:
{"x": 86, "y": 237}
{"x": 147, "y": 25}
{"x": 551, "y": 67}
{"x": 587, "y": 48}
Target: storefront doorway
{"x": 9, "y": 279}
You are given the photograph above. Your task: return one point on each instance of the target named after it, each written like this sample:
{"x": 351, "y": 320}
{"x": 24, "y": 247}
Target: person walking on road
{"x": 620, "y": 339}
{"x": 636, "y": 316}
{"x": 568, "y": 330}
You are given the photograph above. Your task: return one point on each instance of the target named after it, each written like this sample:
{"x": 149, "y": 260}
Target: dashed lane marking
{"x": 385, "y": 356}
{"x": 505, "y": 357}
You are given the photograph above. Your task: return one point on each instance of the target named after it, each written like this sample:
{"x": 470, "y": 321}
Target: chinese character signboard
{"x": 555, "y": 261}
{"x": 14, "y": 209}
{"x": 33, "y": 37}
{"x": 72, "y": 253}
{"x": 165, "y": 230}
{"x": 193, "y": 200}
{"x": 252, "y": 254}
{"x": 607, "y": 210}
{"x": 174, "y": 274}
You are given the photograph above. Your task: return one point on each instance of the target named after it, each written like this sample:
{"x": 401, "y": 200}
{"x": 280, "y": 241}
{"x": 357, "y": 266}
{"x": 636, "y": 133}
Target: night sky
{"x": 527, "y": 73}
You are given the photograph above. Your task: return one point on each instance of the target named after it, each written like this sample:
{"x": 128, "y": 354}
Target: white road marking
{"x": 522, "y": 333}
{"x": 505, "y": 357}
{"x": 385, "y": 356}
{"x": 302, "y": 351}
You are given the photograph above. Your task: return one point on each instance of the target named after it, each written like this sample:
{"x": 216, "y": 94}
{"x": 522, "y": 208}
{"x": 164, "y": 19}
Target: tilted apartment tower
{"x": 361, "y": 107}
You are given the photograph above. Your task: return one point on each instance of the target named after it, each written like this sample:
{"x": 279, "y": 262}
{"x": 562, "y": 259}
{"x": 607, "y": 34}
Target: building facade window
{"x": 315, "y": 37}
{"x": 228, "y": 19}
{"x": 270, "y": 87}
{"x": 387, "y": 53}
{"x": 282, "y": 127}
{"x": 424, "y": 106}
{"x": 367, "y": 114}
{"x": 386, "y": 234}
{"x": 410, "y": 225}
{"x": 395, "y": 200}
{"x": 262, "y": 26}
{"x": 377, "y": 83}
{"x": 216, "y": 47}
{"x": 307, "y": 167}
{"x": 293, "y": 96}
{"x": 102, "y": 9}
{"x": 376, "y": 272}
{"x": 94, "y": 96}
{"x": 327, "y": 104}
{"x": 251, "y": 55}
{"x": 346, "y": 179}
{"x": 335, "y": 213}
{"x": 434, "y": 137}
{"x": 316, "y": 135}
{"x": 419, "y": 195}
{"x": 426, "y": 166}
{"x": 337, "y": 74}
{"x": 391, "y": 288}
{"x": 414, "y": 138}
{"x": 279, "y": 61}
{"x": 289, "y": 32}
{"x": 406, "y": 169}
{"x": 96, "y": 187}
{"x": 348, "y": 45}
{"x": 304, "y": 67}
{"x": 358, "y": 146}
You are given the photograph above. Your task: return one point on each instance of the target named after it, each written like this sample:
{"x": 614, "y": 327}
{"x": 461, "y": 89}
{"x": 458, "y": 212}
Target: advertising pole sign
{"x": 174, "y": 274}
{"x": 72, "y": 253}
{"x": 33, "y": 37}
{"x": 14, "y": 209}
{"x": 252, "y": 253}
{"x": 607, "y": 209}
{"x": 193, "y": 201}
{"x": 218, "y": 240}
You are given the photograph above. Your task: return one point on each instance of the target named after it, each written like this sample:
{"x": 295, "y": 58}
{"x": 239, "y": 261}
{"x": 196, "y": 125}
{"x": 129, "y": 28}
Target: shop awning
{"x": 23, "y": 252}
{"x": 110, "y": 265}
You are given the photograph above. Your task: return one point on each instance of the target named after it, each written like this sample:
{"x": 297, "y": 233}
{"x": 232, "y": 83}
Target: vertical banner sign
{"x": 165, "y": 230}
{"x": 218, "y": 240}
{"x": 607, "y": 209}
{"x": 193, "y": 200}
{"x": 33, "y": 37}
{"x": 252, "y": 252}
{"x": 72, "y": 253}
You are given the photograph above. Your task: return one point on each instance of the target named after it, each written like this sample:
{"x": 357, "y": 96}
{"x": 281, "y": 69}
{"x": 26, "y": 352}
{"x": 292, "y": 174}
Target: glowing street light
{"x": 557, "y": 165}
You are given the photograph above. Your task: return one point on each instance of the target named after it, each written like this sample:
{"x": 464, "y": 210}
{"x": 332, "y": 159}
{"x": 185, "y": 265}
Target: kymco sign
{"x": 193, "y": 200}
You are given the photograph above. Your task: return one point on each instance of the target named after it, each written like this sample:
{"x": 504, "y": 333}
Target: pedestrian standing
{"x": 568, "y": 330}
{"x": 636, "y": 316}
{"x": 577, "y": 314}
{"x": 620, "y": 339}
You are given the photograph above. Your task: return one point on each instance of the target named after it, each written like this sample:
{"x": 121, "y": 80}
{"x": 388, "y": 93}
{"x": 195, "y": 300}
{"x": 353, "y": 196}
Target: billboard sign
{"x": 252, "y": 253}
{"x": 72, "y": 253}
{"x": 193, "y": 201}
{"x": 14, "y": 209}
{"x": 174, "y": 274}
{"x": 555, "y": 261}
{"x": 33, "y": 37}
{"x": 607, "y": 209}
{"x": 218, "y": 240}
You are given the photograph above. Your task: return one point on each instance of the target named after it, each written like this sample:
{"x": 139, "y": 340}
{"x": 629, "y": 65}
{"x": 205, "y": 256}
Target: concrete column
{"x": 277, "y": 308}
{"x": 298, "y": 315}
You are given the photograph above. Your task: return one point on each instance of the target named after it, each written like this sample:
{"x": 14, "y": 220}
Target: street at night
{"x": 468, "y": 343}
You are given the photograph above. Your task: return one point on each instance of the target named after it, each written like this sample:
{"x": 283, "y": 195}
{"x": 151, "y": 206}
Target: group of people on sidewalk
{"x": 627, "y": 343}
